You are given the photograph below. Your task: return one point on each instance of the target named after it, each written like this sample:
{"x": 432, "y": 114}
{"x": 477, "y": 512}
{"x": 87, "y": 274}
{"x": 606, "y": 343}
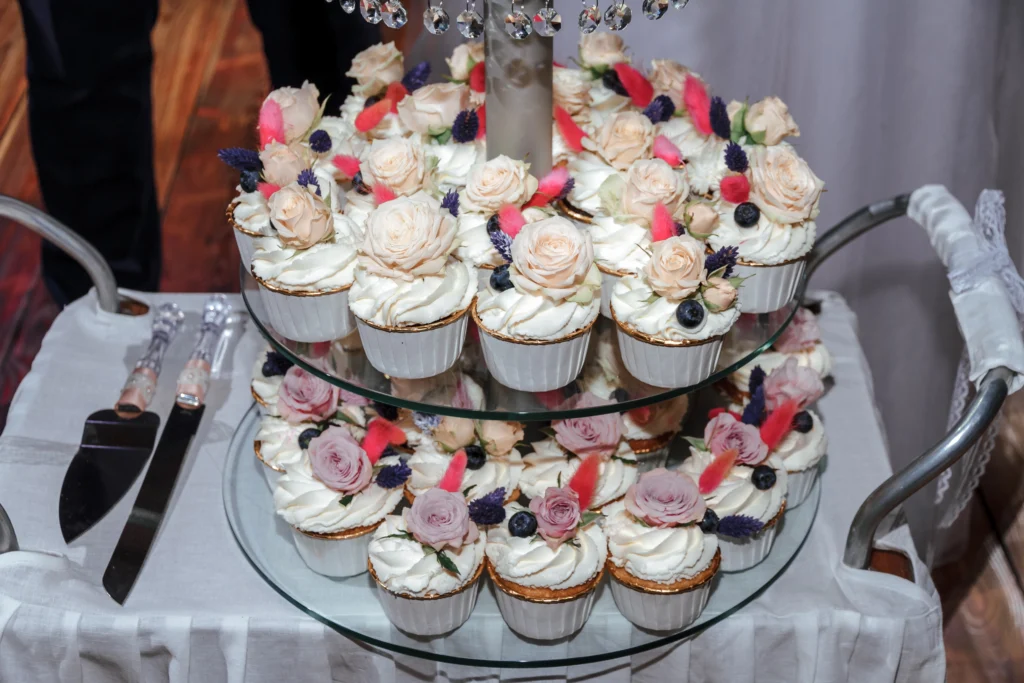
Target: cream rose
{"x": 676, "y": 268}
{"x": 602, "y": 50}
{"x": 454, "y": 433}
{"x": 702, "y": 219}
{"x": 719, "y": 294}
{"x": 408, "y": 237}
{"x": 495, "y": 183}
{"x": 375, "y": 68}
{"x": 782, "y": 184}
{"x": 571, "y": 90}
{"x": 281, "y": 163}
{"x": 301, "y": 218}
{"x": 432, "y": 108}
{"x": 299, "y": 108}
{"x": 668, "y": 78}
{"x": 398, "y": 163}
{"x": 551, "y": 257}
{"x": 463, "y": 59}
{"x": 625, "y": 138}
{"x": 499, "y": 438}
{"x": 649, "y": 182}
{"x": 768, "y": 121}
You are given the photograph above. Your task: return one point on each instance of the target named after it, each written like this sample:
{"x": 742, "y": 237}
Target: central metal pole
{"x": 519, "y": 99}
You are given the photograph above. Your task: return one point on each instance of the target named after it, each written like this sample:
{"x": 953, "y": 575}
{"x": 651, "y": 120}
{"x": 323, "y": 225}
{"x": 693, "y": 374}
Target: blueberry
{"x": 249, "y": 180}
{"x": 389, "y": 413}
{"x": 275, "y": 364}
{"x": 763, "y": 477}
{"x": 690, "y": 314}
{"x": 611, "y": 81}
{"x": 709, "y": 524}
{"x": 803, "y": 422}
{"x": 371, "y": 100}
{"x": 500, "y": 281}
{"x": 746, "y": 215}
{"x": 522, "y": 524}
{"x": 306, "y": 436}
{"x": 358, "y": 184}
{"x": 475, "y": 457}
{"x": 493, "y": 224}
{"x": 620, "y": 395}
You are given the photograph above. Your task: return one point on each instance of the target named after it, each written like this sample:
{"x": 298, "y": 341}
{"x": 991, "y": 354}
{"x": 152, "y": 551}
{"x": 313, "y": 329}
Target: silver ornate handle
{"x": 194, "y": 379}
{"x": 140, "y": 386}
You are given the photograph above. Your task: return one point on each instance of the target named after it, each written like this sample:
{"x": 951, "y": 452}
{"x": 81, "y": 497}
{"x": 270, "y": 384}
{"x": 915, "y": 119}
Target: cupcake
{"x": 671, "y": 319}
{"x": 249, "y": 216}
{"x": 427, "y": 564}
{"x": 279, "y": 444}
{"x": 546, "y": 563}
{"x": 374, "y": 70}
{"x": 411, "y": 297}
{"x": 476, "y": 246}
{"x": 535, "y": 317}
{"x": 334, "y": 499}
{"x": 267, "y": 374}
{"x": 743, "y": 485}
{"x": 660, "y": 560}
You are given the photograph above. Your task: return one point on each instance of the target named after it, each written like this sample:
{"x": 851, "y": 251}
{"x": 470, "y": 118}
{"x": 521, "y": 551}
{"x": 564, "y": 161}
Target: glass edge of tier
{"x": 230, "y": 495}
{"x": 249, "y": 288}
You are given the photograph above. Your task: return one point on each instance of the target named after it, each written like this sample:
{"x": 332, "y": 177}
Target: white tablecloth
{"x": 200, "y": 613}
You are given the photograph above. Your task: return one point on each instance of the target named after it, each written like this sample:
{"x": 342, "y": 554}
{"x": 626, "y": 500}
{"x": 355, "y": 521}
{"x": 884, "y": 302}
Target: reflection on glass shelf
{"x": 468, "y": 390}
{"x": 350, "y": 605}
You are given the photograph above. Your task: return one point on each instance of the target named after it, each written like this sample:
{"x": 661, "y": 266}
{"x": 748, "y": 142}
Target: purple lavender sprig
{"x": 393, "y": 476}
{"x": 451, "y": 202}
{"x": 320, "y": 141}
{"x": 502, "y": 244}
{"x": 416, "y": 77}
{"x": 426, "y": 422}
{"x": 753, "y": 413}
{"x": 489, "y": 509}
{"x": 726, "y": 256}
{"x": 660, "y": 109}
{"x": 739, "y": 526}
{"x": 307, "y": 178}
{"x": 756, "y": 380}
{"x": 720, "y": 118}
{"x": 566, "y": 189}
{"x": 736, "y": 158}
{"x": 466, "y": 126}
{"x": 241, "y": 159}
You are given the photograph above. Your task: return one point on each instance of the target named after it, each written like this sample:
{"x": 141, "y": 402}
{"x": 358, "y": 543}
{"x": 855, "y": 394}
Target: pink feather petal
{"x": 368, "y": 118}
{"x": 376, "y": 440}
{"x": 735, "y": 189}
{"x": 396, "y": 92}
{"x": 571, "y": 133}
{"x": 452, "y": 479}
{"x": 267, "y": 189}
{"x": 511, "y": 220}
{"x": 478, "y": 77}
{"x": 550, "y": 186}
{"x": 665, "y": 150}
{"x": 715, "y": 473}
{"x": 271, "y": 123}
{"x": 481, "y": 115}
{"x": 662, "y": 225}
{"x": 584, "y": 481}
{"x": 348, "y": 165}
{"x": 698, "y": 104}
{"x": 779, "y": 423}
{"x": 640, "y": 90}
{"x": 382, "y": 193}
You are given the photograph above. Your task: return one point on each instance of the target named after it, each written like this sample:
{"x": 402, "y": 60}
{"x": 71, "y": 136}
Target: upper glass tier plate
{"x": 468, "y": 390}
{"x": 350, "y": 605}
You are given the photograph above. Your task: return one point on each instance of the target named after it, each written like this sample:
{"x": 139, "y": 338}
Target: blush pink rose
{"x": 665, "y": 498}
{"x": 438, "y": 518}
{"x": 558, "y": 515}
{"x": 801, "y": 334}
{"x": 304, "y": 397}
{"x": 338, "y": 460}
{"x": 724, "y": 432}
{"x": 348, "y": 398}
{"x": 792, "y": 382}
{"x": 585, "y": 435}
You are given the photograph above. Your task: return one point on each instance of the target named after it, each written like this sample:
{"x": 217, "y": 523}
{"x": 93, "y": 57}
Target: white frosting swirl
{"x": 266, "y": 387}
{"x": 603, "y": 98}
{"x": 662, "y": 418}
{"x": 345, "y": 138}
{"x": 405, "y": 566}
{"x": 251, "y": 212}
{"x": 620, "y": 244}
{"x": 303, "y": 501}
{"x": 588, "y": 172}
{"x": 560, "y": 152}
{"x": 816, "y": 358}
{"x": 551, "y": 466}
{"x": 736, "y": 495}
{"x": 474, "y": 243}
{"x": 800, "y": 452}
{"x": 531, "y": 562}
{"x": 704, "y": 155}
{"x": 428, "y": 465}
{"x": 324, "y": 266}
{"x": 279, "y": 442}
{"x": 635, "y": 303}
{"x": 653, "y": 554}
{"x": 524, "y": 316}
{"x": 452, "y": 162}
{"x": 393, "y": 302}
{"x": 767, "y": 242}
{"x": 351, "y": 108}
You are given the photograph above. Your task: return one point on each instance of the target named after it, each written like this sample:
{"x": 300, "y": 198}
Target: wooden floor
{"x": 209, "y": 79}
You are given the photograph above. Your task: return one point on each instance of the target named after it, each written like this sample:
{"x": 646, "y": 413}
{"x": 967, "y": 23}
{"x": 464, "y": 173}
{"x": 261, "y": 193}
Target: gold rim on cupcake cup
{"x": 752, "y": 264}
{"x": 426, "y": 327}
{"x": 533, "y": 342}
{"x": 621, "y": 575}
{"x": 646, "y": 446}
{"x": 342, "y": 535}
{"x": 547, "y": 596}
{"x": 234, "y": 223}
{"x": 468, "y": 584}
{"x": 277, "y": 289}
{"x": 574, "y": 212}
{"x": 256, "y": 397}
{"x": 256, "y": 446}
{"x": 655, "y": 341}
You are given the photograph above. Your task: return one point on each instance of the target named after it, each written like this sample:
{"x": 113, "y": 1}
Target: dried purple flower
{"x": 489, "y": 509}
{"x": 566, "y": 189}
{"x": 726, "y": 256}
{"x": 502, "y": 244}
{"x": 720, "y": 118}
{"x": 739, "y": 526}
{"x": 307, "y": 178}
{"x": 393, "y": 476}
{"x": 417, "y": 76}
{"x": 426, "y": 422}
{"x": 466, "y": 126}
{"x": 753, "y": 413}
{"x": 451, "y": 202}
{"x": 680, "y": 229}
{"x": 241, "y": 159}
{"x": 757, "y": 376}
{"x": 736, "y": 158}
{"x": 320, "y": 141}
{"x": 660, "y": 109}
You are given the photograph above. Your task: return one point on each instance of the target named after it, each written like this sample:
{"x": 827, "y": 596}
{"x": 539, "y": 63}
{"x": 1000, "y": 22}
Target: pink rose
{"x": 725, "y": 431}
{"x": 299, "y": 108}
{"x": 665, "y": 498}
{"x": 585, "y": 435}
{"x": 792, "y": 382}
{"x": 348, "y": 398}
{"x": 719, "y": 294}
{"x": 304, "y": 397}
{"x": 801, "y": 334}
{"x": 338, "y": 460}
{"x": 558, "y": 515}
{"x": 438, "y": 518}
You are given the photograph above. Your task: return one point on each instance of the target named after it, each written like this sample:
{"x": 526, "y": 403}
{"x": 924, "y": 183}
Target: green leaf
{"x": 345, "y": 418}
{"x": 628, "y": 461}
{"x": 737, "y": 129}
{"x": 447, "y": 564}
{"x": 710, "y": 306}
{"x": 558, "y": 481}
{"x": 465, "y": 491}
{"x": 758, "y": 137}
{"x": 696, "y": 443}
{"x": 718, "y": 272}
{"x": 589, "y": 517}
{"x": 346, "y": 500}
{"x": 400, "y": 534}
{"x": 737, "y": 281}
{"x": 610, "y": 194}
{"x": 444, "y": 136}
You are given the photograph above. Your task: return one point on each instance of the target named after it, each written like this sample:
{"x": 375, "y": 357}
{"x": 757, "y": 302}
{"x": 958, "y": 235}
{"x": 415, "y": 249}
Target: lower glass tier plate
{"x": 350, "y": 606}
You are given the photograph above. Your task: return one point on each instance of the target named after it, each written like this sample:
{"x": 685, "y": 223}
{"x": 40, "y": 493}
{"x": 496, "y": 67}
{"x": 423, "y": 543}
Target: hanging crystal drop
{"x": 436, "y": 20}
{"x": 349, "y": 6}
{"x": 470, "y": 23}
{"x": 590, "y": 17}
{"x": 395, "y": 15}
{"x": 547, "y": 21}
{"x": 518, "y": 25}
{"x": 680, "y": 4}
{"x": 370, "y": 9}
{"x": 617, "y": 16}
{"x": 655, "y": 9}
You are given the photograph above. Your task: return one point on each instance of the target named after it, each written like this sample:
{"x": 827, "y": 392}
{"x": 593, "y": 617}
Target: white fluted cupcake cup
{"x": 307, "y": 316}
{"x": 662, "y": 608}
{"x": 799, "y": 485}
{"x": 743, "y": 553}
{"x": 769, "y": 287}
{"x": 608, "y": 279}
{"x": 545, "y": 614}
{"x": 244, "y": 238}
{"x": 416, "y": 351}
{"x": 338, "y": 555}
{"x": 534, "y": 364}
{"x": 664, "y": 363}
{"x": 429, "y": 615}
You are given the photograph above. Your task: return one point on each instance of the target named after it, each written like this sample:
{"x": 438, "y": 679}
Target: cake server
{"x": 116, "y": 443}
{"x": 155, "y": 493}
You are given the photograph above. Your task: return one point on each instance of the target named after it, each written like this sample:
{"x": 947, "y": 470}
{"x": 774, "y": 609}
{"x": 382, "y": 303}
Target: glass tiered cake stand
{"x": 350, "y": 605}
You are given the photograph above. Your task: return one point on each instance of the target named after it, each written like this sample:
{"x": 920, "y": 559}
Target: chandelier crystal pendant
{"x": 370, "y": 10}
{"x": 547, "y": 21}
{"x": 618, "y": 16}
{"x": 590, "y": 17}
{"x": 655, "y": 9}
{"x": 435, "y": 19}
{"x": 348, "y": 6}
{"x": 394, "y": 13}
{"x": 517, "y": 23}
{"x": 469, "y": 21}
